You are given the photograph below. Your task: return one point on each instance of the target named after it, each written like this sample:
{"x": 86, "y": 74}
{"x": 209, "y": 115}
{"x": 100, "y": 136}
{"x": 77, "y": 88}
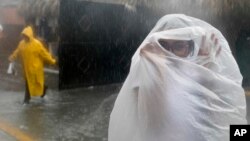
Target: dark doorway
{"x": 98, "y": 40}
{"x": 243, "y": 55}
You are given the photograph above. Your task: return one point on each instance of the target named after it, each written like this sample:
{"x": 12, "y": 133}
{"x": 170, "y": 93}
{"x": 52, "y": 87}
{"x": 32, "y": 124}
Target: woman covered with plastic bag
{"x": 183, "y": 85}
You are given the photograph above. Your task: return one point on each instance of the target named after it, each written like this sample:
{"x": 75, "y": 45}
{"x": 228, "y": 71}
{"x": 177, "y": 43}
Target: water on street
{"x": 71, "y": 115}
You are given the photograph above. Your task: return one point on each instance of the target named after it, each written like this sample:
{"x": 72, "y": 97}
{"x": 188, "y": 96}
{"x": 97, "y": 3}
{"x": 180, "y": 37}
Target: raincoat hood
{"x": 28, "y": 32}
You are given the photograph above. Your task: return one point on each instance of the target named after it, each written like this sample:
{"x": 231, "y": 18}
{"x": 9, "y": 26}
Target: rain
{"x": 92, "y": 43}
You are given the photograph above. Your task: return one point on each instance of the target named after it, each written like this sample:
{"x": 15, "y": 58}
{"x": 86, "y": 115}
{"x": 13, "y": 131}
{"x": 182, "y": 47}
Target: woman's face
{"x": 178, "y": 47}
{"x": 25, "y": 38}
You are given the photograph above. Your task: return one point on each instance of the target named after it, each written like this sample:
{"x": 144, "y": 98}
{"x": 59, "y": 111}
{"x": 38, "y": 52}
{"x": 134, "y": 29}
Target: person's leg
{"x": 44, "y": 90}
{"x": 27, "y": 94}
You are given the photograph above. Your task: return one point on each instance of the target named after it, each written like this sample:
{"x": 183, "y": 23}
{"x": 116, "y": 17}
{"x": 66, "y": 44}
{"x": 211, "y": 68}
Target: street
{"x": 70, "y": 115}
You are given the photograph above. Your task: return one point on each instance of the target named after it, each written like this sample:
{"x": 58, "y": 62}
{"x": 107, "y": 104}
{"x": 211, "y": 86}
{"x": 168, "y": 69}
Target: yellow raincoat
{"x": 33, "y": 55}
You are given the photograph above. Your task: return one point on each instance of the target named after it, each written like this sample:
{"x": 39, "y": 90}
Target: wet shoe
{"x": 26, "y": 102}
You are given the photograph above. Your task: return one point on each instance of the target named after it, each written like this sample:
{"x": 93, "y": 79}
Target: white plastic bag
{"x": 11, "y": 69}
{"x": 169, "y": 98}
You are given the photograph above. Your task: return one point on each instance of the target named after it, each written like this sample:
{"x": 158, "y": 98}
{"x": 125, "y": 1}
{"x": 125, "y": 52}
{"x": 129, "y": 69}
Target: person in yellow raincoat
{"x": 33, "y": 56}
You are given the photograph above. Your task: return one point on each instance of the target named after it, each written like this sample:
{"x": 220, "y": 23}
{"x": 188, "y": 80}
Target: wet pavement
{"x": 70, "y": 115}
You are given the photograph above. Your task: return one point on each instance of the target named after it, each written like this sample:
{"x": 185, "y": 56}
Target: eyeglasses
{"x": 179, "y": 48}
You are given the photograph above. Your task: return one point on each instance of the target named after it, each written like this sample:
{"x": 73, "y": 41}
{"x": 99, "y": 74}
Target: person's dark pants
{"x": 27, "y": 94}
{"x": 44, "y": 90}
